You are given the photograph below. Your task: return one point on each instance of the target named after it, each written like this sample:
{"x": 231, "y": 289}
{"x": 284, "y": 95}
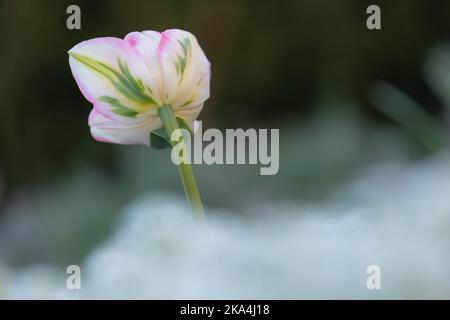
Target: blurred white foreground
{"x": 393, "y": 215}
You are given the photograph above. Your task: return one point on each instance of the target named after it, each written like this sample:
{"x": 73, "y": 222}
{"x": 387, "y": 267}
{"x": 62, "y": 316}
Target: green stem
{"x": 170, "y": 124}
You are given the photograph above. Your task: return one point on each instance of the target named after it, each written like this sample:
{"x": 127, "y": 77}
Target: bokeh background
{"x": 364, "y": 156}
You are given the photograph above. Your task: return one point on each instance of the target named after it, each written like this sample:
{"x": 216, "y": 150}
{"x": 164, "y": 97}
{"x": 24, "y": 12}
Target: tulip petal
{"x": 111, "y": 71}
{"x": 189, "y": 114}
{"x": 186, "y": 69}
{"x": 146, "y": 44}
{"x": 107, "y": 130}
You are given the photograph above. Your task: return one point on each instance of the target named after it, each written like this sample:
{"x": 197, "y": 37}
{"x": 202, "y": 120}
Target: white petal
{"x": 107, "y": 130}
{"x": 96, "y": 66}
{"x": 189, "y": 114}
{"x": 146, "y": 43}
{"x": 186, "y": 69}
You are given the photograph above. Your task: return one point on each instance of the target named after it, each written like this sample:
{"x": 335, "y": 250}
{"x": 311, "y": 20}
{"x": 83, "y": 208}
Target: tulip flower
{"x": 146, "y": 82}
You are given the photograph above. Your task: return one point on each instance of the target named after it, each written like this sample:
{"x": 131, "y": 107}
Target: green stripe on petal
{"x": 122, "y": 79}
{"x": 187, "y": 102}
{"x": 117, "y": 107}
{"x": 181, "y": 63}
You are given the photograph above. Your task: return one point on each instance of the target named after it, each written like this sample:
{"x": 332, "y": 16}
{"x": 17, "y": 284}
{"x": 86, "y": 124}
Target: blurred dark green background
{"x": 272, "y": 62}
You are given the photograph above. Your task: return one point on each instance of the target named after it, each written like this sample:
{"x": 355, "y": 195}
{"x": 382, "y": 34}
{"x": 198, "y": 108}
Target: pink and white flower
{"x": 127, "y": 79}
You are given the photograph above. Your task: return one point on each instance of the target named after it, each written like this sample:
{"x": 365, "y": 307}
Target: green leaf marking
{"x": 181, "y": 63}
{"x": 122, "y": 79}
{"x": 117, "y": 107}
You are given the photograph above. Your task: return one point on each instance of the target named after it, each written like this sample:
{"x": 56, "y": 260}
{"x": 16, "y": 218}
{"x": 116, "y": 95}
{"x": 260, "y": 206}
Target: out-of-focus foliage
{"x": 437, "y": 71}
{"x": 411, "y": 116}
